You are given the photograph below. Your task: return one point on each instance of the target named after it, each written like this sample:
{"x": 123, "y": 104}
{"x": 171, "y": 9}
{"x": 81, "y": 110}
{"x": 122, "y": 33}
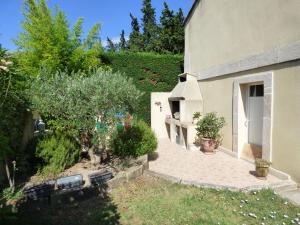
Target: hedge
{"x": 150, "y": 73}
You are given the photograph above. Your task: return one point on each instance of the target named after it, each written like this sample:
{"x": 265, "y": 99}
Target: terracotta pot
{"x": 208, "y": 145}
{"x": 262, "y": 171}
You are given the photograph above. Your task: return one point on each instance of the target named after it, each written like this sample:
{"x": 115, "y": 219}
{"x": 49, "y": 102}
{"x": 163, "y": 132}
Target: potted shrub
{"x": 262, "y": 167}
{"x": 196, "y": 117}
{"x": 208, "y": 129}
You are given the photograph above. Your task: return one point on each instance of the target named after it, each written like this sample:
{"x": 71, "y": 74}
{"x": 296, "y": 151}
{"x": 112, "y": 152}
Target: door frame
{"x": 240, "y": 105}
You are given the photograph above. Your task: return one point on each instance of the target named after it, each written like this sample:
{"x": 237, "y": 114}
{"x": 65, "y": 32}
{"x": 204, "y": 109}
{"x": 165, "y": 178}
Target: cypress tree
{"x": 135, "y": 42}
{"x": 150, "y": 29}
{"x": 110, "y": 45}
{"x": 167, "y": 30}
{"x": 123, "y": 44}
{"x": 179, "y": 32}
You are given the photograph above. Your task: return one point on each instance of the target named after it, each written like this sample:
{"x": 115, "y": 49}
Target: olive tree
{"x": 73, "y": 102}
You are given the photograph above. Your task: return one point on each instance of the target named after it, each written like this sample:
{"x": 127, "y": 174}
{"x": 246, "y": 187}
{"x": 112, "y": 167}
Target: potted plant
{"x": 196, "y": 117}
{"x": 208, "y": 129}
{"x": 262, "y": 167}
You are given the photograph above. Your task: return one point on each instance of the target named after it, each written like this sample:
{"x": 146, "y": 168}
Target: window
{"x": 257, "y": 90}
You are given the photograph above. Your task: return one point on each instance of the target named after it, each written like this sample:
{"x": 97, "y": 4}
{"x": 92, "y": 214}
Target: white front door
{"x": 255, "y": 114}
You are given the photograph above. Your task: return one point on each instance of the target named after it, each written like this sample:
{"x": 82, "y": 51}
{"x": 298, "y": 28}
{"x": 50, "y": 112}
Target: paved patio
{"x": 195, "y": 167}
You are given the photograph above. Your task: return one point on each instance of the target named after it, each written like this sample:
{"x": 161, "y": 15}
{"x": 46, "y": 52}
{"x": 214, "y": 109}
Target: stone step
{"x": 284, "y": 186}
{"x": 292, "y": 195}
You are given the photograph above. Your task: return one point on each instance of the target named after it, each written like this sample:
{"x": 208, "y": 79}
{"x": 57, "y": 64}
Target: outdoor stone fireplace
{"x": 175, "y": 118}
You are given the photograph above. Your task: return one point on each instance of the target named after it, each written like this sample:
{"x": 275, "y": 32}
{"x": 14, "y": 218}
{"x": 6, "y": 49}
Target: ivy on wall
{"x": 150, "y": 73}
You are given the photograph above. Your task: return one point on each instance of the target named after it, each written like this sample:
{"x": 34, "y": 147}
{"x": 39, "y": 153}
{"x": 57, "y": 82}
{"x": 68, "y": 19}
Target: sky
{"x": 112, "y": 14}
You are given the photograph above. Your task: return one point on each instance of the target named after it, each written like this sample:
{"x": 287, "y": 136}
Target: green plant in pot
{"x": 196, "y": 117}
{"x": 208, "y": 129}
{"x": 262, "y": 167}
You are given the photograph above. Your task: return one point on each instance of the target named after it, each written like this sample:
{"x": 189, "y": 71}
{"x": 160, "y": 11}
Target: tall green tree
{"x": 85, "y": 53}
{"x": 150, "y": 28}
{"x": 179, "y": 32}
{"x": 123, "y": 42}
{"x": 111, "y": 47}
{"x": 171, "y": 35}
{"x": 76, "y": 33}
{"x": 167, "y": 29}
{"x": 135, "y": 42}
{"x": 47, "y": 41}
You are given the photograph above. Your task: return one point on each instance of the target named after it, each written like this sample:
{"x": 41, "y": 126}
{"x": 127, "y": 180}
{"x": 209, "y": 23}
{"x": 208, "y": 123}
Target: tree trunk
{"x": 10, "y": 179}
{"x": 95, "y": 158}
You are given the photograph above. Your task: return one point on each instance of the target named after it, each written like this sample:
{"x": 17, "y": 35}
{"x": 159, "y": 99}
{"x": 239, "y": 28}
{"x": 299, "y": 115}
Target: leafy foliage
{"x": 48, "y": 42}
{"x": 210, "y": 125}
{"x": 9, "y": 194}
{"x": 74, "y": 101}
{"x": 149, "y": 72}
{"x": 196, "y": 115}
{"x": 135, "y": 141}
{"x": 58, "y": 152}
{"x": 171, "y": 35}
{"x": 123, "y": 42}
{"x": 135, "y": 42}
{"x": 111, "y": 46}
{"x": 166, "y": 37}
{"x": 13, "y": 104}
{"x": 8, "y": 199}
{"x": 150, "y": 28}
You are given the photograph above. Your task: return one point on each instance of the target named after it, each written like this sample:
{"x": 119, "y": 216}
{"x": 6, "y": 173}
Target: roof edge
{"x": 188, "y": 17}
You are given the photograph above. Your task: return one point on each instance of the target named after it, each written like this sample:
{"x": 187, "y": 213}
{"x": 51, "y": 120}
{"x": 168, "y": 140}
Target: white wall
{"x": 225, "y": 31}
{"x": 158, "y": 115}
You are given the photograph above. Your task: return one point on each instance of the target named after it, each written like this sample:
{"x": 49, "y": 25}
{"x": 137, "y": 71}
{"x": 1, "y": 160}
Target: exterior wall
{"x": 286, "y": 127}
{"x": 218, "y": 96}
{"x": 224, "y": 31}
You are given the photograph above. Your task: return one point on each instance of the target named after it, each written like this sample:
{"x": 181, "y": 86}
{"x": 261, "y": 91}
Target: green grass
{"x": 153, "y": 201}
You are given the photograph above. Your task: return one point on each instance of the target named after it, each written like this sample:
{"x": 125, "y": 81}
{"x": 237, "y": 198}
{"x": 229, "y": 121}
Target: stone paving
{"x": 195, "y": 167}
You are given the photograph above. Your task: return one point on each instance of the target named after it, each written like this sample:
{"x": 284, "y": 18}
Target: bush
{"x": 135, "y": 141}
{"x": 58, "y": 152}
{"x": 11, "y": 195}
{"x": 210, "y": 125}
{"x": 73, "y": 102}
{"x": 150, "y": 73}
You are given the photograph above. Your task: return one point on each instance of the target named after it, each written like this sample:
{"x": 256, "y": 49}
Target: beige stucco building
{"x": 244, "y": 57}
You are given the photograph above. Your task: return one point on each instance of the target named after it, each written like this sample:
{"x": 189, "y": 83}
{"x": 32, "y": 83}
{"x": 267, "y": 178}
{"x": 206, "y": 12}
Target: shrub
{"x": 58, "y": 152}
{"x": 11, "y": 195}
{"x": 196, "y": 115}
{"x": 150, "y": 73}
{"x": 73, "y": 102}
{"x": 9, "y": 199}
{"x": 135, "y": 141}
{"x": 210, "y": 125}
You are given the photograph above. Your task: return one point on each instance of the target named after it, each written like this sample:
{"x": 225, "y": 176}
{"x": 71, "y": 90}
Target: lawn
{"x": 150, "y": 200}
